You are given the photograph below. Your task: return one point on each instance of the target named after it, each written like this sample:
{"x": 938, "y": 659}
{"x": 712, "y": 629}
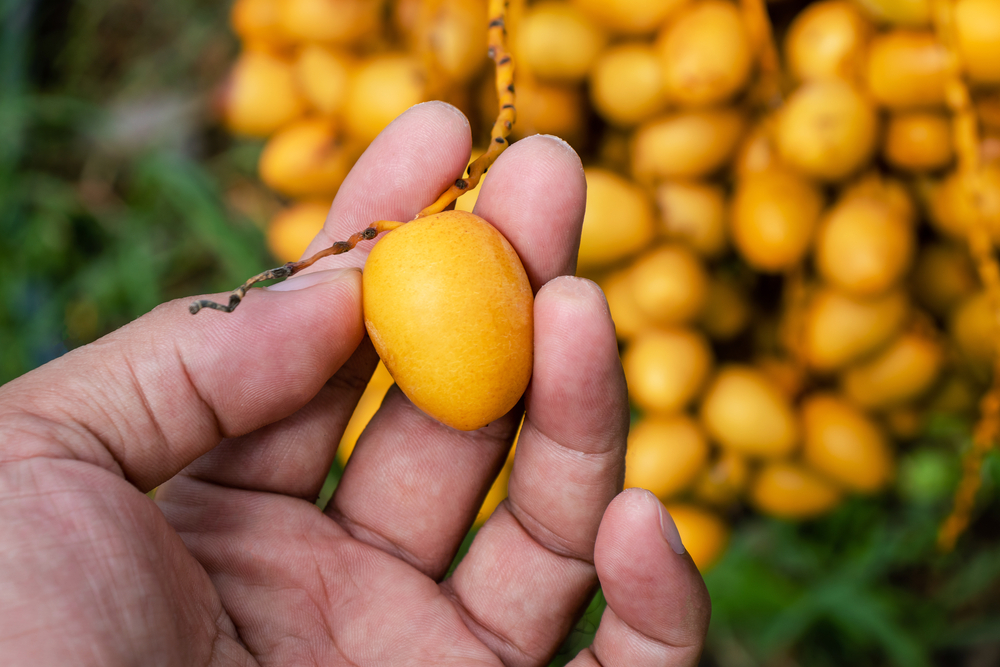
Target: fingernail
{"x": 669, "y": 530}
{"x": 302, "y": 281}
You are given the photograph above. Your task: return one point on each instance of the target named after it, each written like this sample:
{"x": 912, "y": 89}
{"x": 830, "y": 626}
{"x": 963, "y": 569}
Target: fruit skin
{"x": 665, "y": 455}
{"x": 826, "y": 40}
{"x": 864, "y": 247}
{"x": 665, "y": 370}
{"x": 907, "y": 70}
{"x": 745, "y": 412}
{"x": 706, "y": 54}
{"x": 839, "y": 329}
{"x": 918, "y": 141}
{"x": 380, "y": 89}
{"x": 618, "y": 221}
{"x": 305, "y": 159}
{"x": 827, "y": 129}
{"x": 685, "y": 145}
{"x": 774, "y": 215}
{"x": 669, "y": 284}
{"x": 977, "y": 27}
{"x": 448, "y": 307}
{"x": 903, "y": 371}
{"x": 555, "y": 40}
{"x": 844, "y": 444}
{"x": 626, "y": 84}
{"x": 790, "y": 491}
{"x": 291, "y": 231}
{"x": 630, "y": 17}
{"x": 260, "y": 95}
{"x": 694, "y": 213}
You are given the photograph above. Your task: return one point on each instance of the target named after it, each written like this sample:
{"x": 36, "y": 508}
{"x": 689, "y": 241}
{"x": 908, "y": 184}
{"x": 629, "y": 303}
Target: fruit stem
{"x": 291, "y": 268}
{"x": 966, "y": 138}
{"x": 497, "y": 40}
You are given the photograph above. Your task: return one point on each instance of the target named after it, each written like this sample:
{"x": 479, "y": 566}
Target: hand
{"x": 238, "y": 418}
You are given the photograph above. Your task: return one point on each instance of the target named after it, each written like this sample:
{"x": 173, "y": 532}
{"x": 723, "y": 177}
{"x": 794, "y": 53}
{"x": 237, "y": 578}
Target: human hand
{"x": 238, "y": 418}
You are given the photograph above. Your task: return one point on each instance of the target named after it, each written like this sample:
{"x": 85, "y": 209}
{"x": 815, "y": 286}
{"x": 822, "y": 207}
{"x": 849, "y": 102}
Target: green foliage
{"x": 112, "y": 175}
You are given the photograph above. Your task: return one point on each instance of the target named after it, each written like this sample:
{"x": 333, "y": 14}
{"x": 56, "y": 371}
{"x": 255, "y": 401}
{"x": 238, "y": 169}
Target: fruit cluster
{"x": 755, "y": 215}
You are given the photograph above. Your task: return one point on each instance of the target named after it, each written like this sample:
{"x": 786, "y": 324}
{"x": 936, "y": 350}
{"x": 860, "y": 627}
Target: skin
{"x": 237, "y": 418}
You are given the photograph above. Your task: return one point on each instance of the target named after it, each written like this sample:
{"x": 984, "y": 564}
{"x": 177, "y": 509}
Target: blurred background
{"x": 782, "y": 227}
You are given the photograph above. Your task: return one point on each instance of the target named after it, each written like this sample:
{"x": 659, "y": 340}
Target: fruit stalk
{"x": 966, "y": 138}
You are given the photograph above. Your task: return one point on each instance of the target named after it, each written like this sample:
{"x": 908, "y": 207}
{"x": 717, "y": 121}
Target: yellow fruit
{"x": 449, "y": 309}
{"x": 626, "y": 84}
{"x": 664, "y": 455}
{"x": 618, "y": 221}
{"x": 903, "y": 371}
{"x": 974, "y": 325}
{"x": 555, "y": 40}
{"x": 368, "y": 405}
{"x": 727, "y": 309}
{"x": 943, "y": 276}
{"x": 625, "y": 313}
{"x": 839, "y": 329}
{"x": 305, "y": 159}
{"x": 789, "y": 491}
{"x": 457, "y": 38}
{"x": 918, "y": 141}
{"x": 965, "y": 199}
{"x": 256, "y": 22}
{"x": 864, "y": 247}
{"x": 291, "y": 231}
{"x": 977, "y": 36}
{"x": 705, "y": 54}
{"x": 907, "y": 69}
{"x": 702, "y": 531}
{"x": 774, "y": 214}
{"x": 826, "y": 40}
{"x": 695, "y": 214}
{"x": 685, "y": 145}
{"x": 545, "y": 109}
{"x": 844, "y": 444}
{"x": 665, "y": 370}
{"x": 724, "y": 479}
{"x": 323, "y": 76}
{"x": 260, "y": 95}
{"x": 630, "y": 17}
{"x": 338, "y": 22}
{"x": 827, "y": 129}
{"x": 669, "y": 285}
{"x": 898, "y": 12}
{"x": 382, "y": 88}
{"x": 746, "y": 413}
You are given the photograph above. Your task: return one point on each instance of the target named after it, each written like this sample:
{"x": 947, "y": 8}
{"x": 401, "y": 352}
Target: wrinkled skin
{"x": 237, "y": 417}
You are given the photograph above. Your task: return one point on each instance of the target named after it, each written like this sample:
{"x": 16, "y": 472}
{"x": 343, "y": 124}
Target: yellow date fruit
{"x": 827, "y": 129}
{"x": 448, "y": 307}
{"x": 843, "y": 443}
{"x": 790, "y": 491}
{"x": 746, "y": 413}
{"x": 665, "y": 455}
{"x": 826, "y": 40}
{"x": 907, "y": 69}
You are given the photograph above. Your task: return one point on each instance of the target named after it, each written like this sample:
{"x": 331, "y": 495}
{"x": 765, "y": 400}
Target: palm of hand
{"x": 235, "y": 565}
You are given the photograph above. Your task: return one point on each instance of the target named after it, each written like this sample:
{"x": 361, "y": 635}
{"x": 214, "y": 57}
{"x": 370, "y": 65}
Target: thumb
{"x": 148, "y": 399}
{"x": 658, "y": 607}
